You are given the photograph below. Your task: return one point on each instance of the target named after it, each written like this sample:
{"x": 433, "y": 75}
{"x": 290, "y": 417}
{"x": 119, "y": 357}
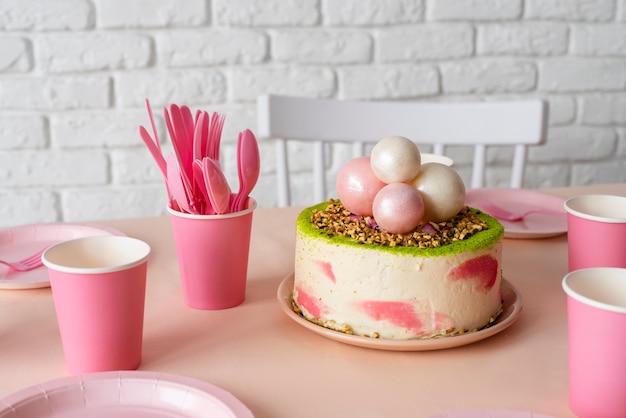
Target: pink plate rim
{"x": 124, "y": 393}
{"x": 489, "y": 413}
{"x": 518, "y": 200}
{"x": 20, "y": 241}
{"x": 512, "y": 307}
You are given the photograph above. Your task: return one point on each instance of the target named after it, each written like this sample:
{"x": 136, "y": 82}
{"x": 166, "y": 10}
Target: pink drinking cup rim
{"x": 53, "y": 257}
{"x": 251, "y": 207}
{"x": 569, "y": 286}
{"x": 606, "y": 212}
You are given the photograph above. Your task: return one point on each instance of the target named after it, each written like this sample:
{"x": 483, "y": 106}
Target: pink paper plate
{"x": 511, "y": 309}
{"x": 123, "y": 394}
{"x": 21, "y": 241}
{"x": 535, "y": 225}
{"x": 490, "y": 414}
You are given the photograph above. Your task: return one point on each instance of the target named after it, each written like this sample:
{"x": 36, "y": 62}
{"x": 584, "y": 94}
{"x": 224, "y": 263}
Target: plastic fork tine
{"x": 215, "y": 134}
{"x": 29, "y": 263}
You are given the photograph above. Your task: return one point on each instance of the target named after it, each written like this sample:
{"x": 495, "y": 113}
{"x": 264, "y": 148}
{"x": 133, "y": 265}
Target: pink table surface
{"x": 280, "y": 369}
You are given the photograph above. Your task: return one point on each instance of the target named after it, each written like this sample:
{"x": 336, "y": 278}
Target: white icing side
{"x": 393, "y": 296}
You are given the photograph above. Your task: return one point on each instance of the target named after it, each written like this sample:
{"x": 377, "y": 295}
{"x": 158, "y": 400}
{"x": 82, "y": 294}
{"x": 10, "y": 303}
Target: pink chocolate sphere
{"x": 398, "y": 208}
{"x": 357, "y": 186}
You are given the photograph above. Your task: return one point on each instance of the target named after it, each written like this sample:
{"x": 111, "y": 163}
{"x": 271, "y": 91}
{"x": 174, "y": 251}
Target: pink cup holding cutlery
{"x": 596, "y": 231}
{"x": 596, "y": 307}
{"x": 212, "y": 255}
{"x": 98, "y": 286}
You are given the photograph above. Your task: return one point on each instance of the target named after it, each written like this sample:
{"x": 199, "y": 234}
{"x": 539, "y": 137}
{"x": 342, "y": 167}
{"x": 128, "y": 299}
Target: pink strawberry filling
{"x": 327, "y": 269}
{"x": 483, "y": 270}
{"x": 312, "y": 305}
{"x": 401, "y": 314}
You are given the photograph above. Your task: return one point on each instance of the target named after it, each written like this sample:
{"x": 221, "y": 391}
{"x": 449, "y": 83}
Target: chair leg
{"x": 519, "y": 165}
{"x": 358, "y": 149}
{"x": 319, "y": 172}
{"x": 282, "y": 174}
{"x": 478, "y": 171}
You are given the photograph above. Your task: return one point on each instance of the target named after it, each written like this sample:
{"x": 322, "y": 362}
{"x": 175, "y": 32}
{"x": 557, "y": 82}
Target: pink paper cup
{"x": 212, "y": 255}
{"x": 596, "y": 316}
{"x": 98, "y": 287}
{"x": 596, "y": 231}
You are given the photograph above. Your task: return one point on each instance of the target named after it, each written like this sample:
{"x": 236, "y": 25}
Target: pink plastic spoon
{"x": 198, "y": 177}
{"x": 248, "y": 168}
{"x": 216, "y": 185}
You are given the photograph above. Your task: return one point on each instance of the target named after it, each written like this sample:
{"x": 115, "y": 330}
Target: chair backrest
{"x": 516, "y": 123}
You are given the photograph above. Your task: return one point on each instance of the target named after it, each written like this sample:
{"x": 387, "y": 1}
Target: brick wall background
{"x": 74, "y": 75}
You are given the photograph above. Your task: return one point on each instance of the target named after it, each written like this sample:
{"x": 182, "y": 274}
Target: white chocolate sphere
{"x": 398, "y": 208}
{"x": 442, "y": 189}
{"x": 395, "y": 159}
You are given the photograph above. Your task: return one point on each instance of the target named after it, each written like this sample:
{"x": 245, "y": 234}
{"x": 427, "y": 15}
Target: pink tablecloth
{"x": 280, "y": 369}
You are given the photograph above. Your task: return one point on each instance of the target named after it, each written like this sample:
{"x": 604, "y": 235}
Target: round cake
{"x": 393, "y": 290}
{"x": 396, "y": 262}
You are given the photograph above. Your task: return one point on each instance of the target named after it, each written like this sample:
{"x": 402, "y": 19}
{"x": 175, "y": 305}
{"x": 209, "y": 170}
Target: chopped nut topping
{"x": 336, "y": 220}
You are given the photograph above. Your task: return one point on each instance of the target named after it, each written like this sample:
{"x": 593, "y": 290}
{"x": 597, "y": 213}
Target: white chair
{"x": 516, "y": 123}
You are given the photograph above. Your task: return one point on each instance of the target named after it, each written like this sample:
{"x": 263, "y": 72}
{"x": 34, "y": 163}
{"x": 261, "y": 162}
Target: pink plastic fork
{"x": 505, "y": 215}
{"x": 29, "y": 263}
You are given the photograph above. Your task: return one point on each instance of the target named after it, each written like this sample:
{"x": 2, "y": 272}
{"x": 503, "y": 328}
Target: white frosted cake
{"x": 399, "y": 256}
{"x": 397, "y": 292}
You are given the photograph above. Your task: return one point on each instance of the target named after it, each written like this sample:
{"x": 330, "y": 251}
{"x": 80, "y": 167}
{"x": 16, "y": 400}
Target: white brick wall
{"x": 74, "y": 75}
